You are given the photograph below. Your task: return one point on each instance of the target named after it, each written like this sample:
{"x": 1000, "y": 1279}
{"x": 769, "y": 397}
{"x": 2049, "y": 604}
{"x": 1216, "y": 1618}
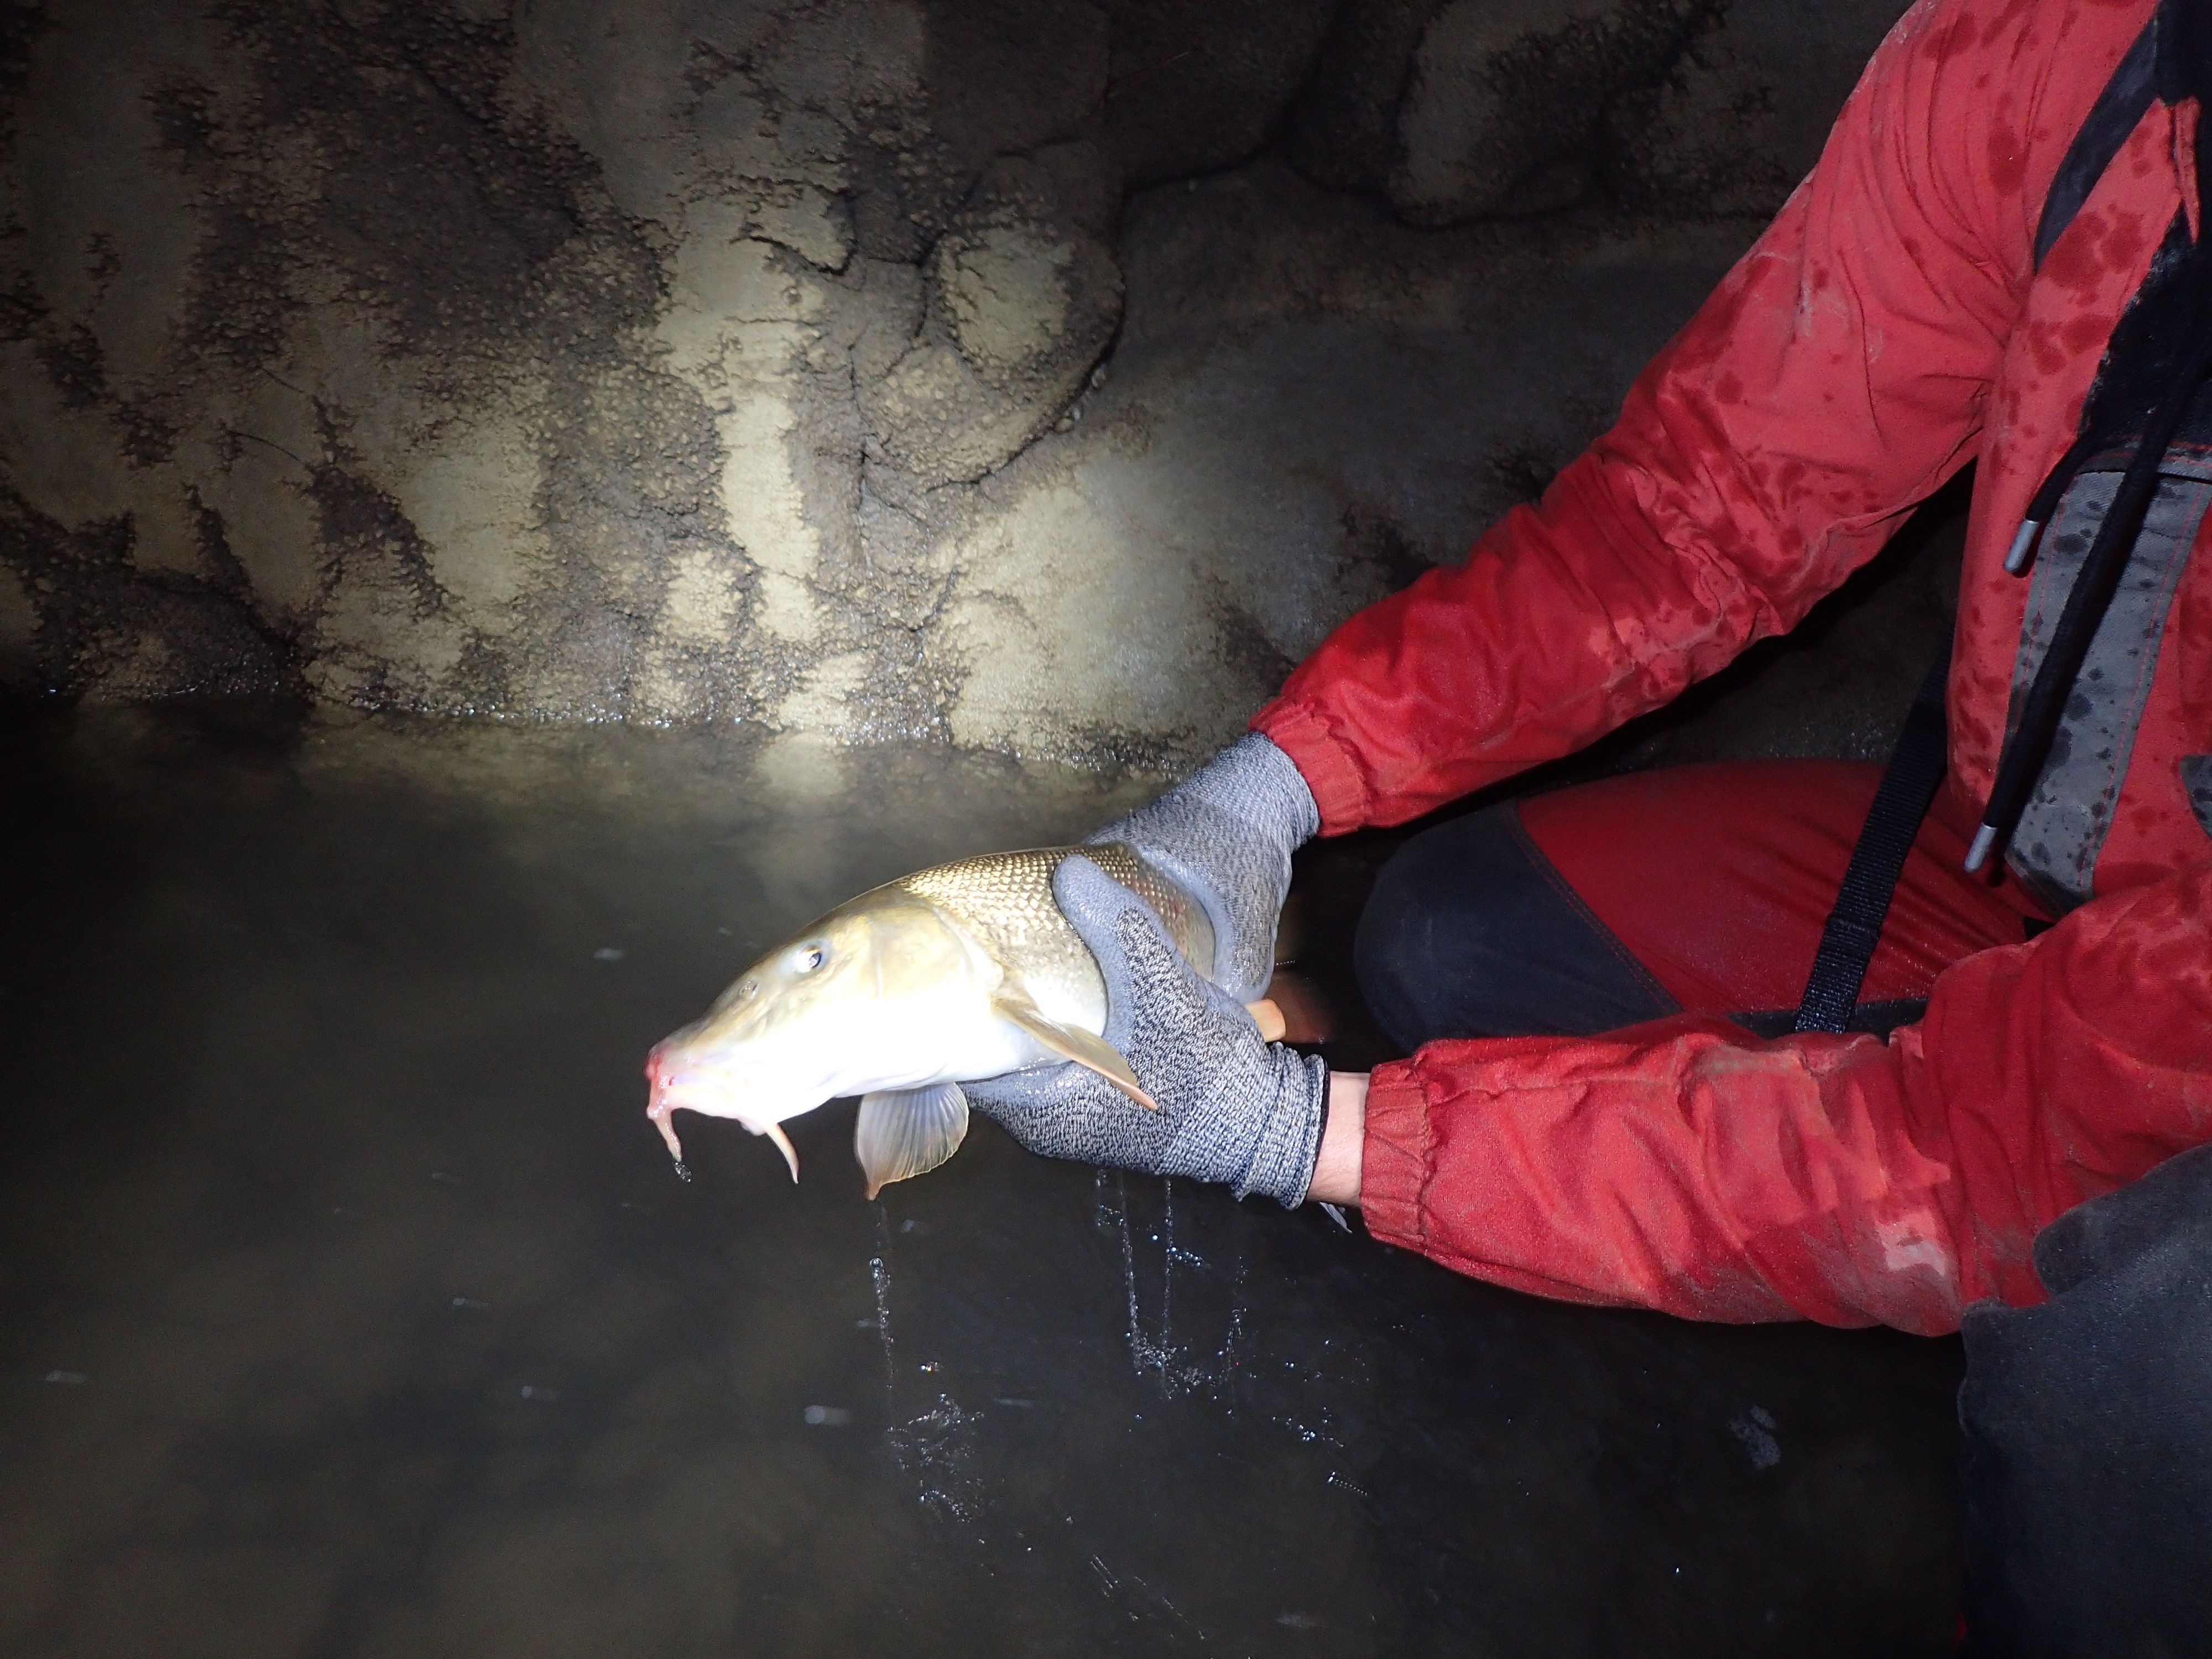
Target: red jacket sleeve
{"x": 1835, "y": 378}
{"x": 1683, "y": 1166}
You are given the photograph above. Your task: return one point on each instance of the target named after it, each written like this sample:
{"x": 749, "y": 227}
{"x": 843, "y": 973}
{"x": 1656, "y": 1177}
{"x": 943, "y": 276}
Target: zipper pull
{"x": 2044, "y": 503}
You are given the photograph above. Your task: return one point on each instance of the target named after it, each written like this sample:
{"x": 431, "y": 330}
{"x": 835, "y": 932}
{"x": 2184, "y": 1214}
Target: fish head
{"x": 844, "y": 1007}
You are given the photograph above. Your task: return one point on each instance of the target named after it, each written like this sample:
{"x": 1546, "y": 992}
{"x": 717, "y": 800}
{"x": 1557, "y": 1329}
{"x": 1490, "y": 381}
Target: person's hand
{"x": 1232, "y": 1107}
{"x": 1226, "y": 834}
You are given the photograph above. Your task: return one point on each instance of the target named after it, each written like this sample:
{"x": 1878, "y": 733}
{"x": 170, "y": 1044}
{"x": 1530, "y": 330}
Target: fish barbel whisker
{"x": 774, "y": 1132}
{"x": 664, "y": 1119}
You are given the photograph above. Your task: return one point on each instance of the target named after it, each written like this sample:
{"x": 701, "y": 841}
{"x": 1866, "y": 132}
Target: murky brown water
{"x": 351, "y": 1307}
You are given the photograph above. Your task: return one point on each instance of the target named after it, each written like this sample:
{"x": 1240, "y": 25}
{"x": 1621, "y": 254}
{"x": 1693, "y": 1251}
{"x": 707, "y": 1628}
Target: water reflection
{"x": 352, "y": 1307}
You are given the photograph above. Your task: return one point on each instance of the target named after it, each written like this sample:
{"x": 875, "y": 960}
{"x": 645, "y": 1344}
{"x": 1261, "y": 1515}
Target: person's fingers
{"x": 1019, "y": 1093}
{"x": 1153, "y": 960}
{"x": 1096, "y": 904}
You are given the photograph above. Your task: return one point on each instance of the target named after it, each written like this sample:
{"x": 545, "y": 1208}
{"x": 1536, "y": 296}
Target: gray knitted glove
{"x": 1226, "y": 833}
{"x": 1232, "y": 1108}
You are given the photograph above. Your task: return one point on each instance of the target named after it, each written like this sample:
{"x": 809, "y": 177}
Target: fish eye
{"x": 808, "y": 959}
{"x": 747, "y": 988}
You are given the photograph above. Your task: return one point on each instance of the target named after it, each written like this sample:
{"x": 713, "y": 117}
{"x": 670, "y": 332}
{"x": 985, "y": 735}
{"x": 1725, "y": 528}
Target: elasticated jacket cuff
{"x": 1396, "y": 1154}
{"x": 1339, "y": 789}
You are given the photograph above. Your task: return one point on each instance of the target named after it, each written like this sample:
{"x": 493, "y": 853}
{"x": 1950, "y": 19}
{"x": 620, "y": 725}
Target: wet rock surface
{"x": 686, "y": 360}
{"x": 352, "y": 1307}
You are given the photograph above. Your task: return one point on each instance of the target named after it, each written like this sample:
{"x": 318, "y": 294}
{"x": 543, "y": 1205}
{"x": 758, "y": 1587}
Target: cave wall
{"x": 1045, "y": 378}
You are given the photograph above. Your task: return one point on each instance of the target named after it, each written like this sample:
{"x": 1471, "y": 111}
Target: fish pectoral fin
{"x": 902, "y": 1132}
{"x": 1069, "y": 1043}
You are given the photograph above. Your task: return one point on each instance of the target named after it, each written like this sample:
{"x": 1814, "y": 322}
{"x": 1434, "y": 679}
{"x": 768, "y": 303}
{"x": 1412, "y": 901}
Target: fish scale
{"x": 1007, "y": 899}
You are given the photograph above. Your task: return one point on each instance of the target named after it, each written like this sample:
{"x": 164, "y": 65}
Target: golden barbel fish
{"x": 962, "y": 971}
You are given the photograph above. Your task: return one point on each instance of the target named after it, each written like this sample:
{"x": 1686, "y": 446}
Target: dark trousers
{"x": 1696, "y": 889}
{"x": 2087, "y": 1480}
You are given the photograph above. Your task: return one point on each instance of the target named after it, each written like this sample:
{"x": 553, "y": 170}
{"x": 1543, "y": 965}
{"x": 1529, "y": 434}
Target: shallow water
{"x": 351, "y": 1307}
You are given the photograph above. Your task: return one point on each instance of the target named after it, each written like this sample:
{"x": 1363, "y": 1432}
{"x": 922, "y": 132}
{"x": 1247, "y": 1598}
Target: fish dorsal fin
{"x": 902, "y": 1132}
{"x": 1069, "y": 1043}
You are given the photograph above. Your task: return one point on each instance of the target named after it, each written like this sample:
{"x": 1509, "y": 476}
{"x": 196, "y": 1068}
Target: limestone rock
{"x": 1006, "y": 77}
{"x": 1744, "y": 114}
{"x": 1470, "y": 109}
{"x": 1507, "y": 100}
{"x": 1024, "y": 296}
{"x": 1199, "y": 85}
{"x": 773, "y": 361}
{"x": 1344, "y": 132}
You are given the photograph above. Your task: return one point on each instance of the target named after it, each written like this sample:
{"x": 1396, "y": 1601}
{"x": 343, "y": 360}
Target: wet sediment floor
{"x": 351, "y": 1307}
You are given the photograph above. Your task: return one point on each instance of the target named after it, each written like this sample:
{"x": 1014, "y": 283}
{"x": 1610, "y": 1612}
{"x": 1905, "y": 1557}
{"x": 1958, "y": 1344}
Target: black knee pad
{"x": 1470, "y": 932}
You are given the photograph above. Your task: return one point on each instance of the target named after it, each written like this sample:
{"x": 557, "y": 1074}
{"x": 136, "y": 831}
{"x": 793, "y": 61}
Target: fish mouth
{"x": 670, "y": 1085}
{"x": 661, "y": 1077}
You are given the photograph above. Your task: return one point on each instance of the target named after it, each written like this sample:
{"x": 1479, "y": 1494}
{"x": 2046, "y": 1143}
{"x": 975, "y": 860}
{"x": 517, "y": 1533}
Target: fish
{"x": 960, "y": 972}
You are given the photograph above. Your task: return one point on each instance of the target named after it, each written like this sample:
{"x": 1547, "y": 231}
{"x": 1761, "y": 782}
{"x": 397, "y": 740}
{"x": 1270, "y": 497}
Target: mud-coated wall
{"x": 1044, "y": 377}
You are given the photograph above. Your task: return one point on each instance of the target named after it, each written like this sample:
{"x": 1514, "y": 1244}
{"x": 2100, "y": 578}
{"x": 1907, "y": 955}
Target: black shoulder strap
{"x": 2171, "y": 59}
{"x": 2118, "y": 111}
{"x": 1908, "y": 788}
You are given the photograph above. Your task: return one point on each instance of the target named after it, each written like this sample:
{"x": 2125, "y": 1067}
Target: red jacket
{"x": 1890, "y": 325}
